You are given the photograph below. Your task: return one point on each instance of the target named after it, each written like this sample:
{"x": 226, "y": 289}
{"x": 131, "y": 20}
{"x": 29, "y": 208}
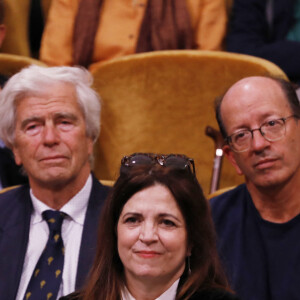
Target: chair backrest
{"x": 11, "y": 64}
{"x": 229, "y": 4}
{"x": 16, "y": 19}
{"x": 6, "y": 189}
{"x": 162, "y": 101}
{"x": 107, "y": 182}
{"x": 220, "y": 192}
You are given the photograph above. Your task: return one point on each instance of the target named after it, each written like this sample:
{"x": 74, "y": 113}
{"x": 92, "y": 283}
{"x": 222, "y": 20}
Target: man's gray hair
{"x": 33, "y": 80}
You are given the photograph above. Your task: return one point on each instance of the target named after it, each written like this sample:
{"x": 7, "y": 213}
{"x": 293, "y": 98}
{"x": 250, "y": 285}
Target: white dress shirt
{"x": 169, "y": 294}
{"x": 72, "y": 228}
{"x": 2, "y": 145}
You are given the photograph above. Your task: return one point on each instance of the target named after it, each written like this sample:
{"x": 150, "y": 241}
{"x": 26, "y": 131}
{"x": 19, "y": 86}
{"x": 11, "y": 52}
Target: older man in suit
{"x": 49, "y": 117}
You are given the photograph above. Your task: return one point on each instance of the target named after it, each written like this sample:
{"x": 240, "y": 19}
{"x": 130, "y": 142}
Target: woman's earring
{"x": 189, "y": 265}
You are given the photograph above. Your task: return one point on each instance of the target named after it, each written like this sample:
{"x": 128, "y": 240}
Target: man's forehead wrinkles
{"x": 52, "y": 115}
{"x": 62, "y": 114}
{"x": 29, "y": 120}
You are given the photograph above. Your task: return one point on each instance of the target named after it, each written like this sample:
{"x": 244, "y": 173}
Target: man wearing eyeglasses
{"x": 258, "y": 223}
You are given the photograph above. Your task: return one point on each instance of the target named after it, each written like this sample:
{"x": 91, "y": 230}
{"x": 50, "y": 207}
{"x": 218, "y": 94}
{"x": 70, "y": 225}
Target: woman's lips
{"x": 147, "y": 254}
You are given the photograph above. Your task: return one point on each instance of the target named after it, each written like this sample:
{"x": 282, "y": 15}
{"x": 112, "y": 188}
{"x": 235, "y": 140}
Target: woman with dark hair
{"x": 156, "y": 237}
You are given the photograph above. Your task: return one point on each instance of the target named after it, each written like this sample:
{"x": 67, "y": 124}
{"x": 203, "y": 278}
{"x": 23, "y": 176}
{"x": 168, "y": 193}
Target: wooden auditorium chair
{"x": 162, "y": 102}
{"x": 11, "y": 64}
{"x": 16, "y": 19}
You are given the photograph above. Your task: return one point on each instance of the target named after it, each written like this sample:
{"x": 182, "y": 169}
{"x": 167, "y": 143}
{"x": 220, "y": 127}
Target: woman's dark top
{"x": 211, "y": 294}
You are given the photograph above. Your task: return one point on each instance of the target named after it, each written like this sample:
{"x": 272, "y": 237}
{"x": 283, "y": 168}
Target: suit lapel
{"x": 89, "y": 234}
{"x": 14, "y": 233}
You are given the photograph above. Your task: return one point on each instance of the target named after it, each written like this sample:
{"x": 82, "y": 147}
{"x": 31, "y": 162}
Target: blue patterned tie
{"x": 46, "y": 278}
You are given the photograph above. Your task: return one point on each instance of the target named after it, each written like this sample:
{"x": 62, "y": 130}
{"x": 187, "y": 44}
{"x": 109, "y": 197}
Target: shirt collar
{"x": 75, "y": 208}
{"x": 169, "y": 294}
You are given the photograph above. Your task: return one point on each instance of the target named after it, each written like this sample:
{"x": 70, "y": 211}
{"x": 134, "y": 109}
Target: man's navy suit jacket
{"x": 250, "y": 33}
{"x": 15, "y": 213}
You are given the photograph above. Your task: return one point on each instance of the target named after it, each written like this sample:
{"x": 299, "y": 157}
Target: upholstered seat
{"x": 11, "y": 64}
{"x": 17, "y": 13}
{"x": 162, "y": 102}
{"x": 220, "y": 191}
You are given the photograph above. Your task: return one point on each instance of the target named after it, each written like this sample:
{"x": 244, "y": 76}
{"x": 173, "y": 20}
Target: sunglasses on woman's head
{"x": 174, "y": 161}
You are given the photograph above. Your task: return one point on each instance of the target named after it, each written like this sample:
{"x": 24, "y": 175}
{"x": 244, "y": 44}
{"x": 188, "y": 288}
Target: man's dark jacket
{"x": 250, "y": 32}
{"x": 15, "y": 213}
{"x": 10, "y": 173}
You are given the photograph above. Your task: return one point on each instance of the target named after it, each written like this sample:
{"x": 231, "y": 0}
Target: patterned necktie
{"x": 47, "y": 275}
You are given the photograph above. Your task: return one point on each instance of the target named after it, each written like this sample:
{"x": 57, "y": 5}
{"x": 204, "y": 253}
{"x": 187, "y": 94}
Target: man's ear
{"x": 230, "y": 155}
{"x": 90, "y": 146}
{"x": 17, "y": 156}
{"x": 2, "y": 33}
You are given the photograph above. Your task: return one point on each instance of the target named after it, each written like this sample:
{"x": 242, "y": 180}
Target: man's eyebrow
{"x": 66, "y": 115}
{"x": 262, "y": 119}
{"x": 58, "y": 115}
{"x": 30, "y": 119}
